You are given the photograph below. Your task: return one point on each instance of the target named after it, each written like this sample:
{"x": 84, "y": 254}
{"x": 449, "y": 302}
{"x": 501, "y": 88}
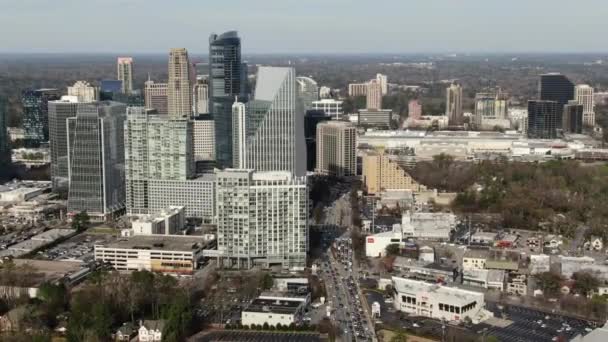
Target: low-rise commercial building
{"x": 474, "y": 259}
{"x": 428, "y": 226}
{"x": 330, "y": 107}
{"x": 436, "y": 301}
{"x": 375, "y": 118}
{"x": 274, "y": 308}
{"x": 166, "y": 222}
{"x": 177, "y": 255}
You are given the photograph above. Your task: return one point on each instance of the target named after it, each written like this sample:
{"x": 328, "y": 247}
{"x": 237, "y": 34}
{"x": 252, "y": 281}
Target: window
{"x": 457, "y": 310}
{"x": 440, "y": 306}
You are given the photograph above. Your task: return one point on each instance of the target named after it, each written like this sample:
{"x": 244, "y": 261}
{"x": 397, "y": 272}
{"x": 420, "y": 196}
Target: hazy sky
{"x": 305, "y": 26}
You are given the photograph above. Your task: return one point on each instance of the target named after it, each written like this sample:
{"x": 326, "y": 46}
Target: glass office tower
{"x": 226, "y": 77}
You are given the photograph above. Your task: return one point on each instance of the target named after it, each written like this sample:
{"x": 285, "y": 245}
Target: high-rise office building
{"x": 226, "y": 76}
{"x": 155, "y": 97}
{"x": 374, "y": 95}
{"x": 35, "y": 115}
{"x": 124, "y": 71}
{"x": 383, "y": 80}
{"x": 110, "y": 86}
{"x": 179, "y": 88}
{"x": 5, "y": 148}
{"x": 336, "y": 148}
{"x": 584, "y": 95}
{"x": 453, "y": 108}
{"x": 262, "y": 219}
{"x": 572, "y": 120}
{"x": 556, "y": 87}
{"x": 311, "y": 120}
{"x": 414, "y": 110}
{"x": 274, "y": 124}
{"x": 96, "y": 159}
{"x": 542, "y": 119}
{"x": 200, "y": 97}
{"x": 59, "y": 112}
{"x": 84, "y": 91}
{"x": 308, "y": 91}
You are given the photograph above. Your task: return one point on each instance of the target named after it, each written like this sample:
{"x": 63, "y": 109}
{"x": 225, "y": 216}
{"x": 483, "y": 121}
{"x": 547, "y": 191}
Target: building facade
{"x": 336, "y": 149}
{"x": 226, "y": 76}
{"x": 35, "y": 115}
{"x": 96, "y": 158}
{"x": 311, "y": 120}
{"x": 200, "y": 98}
{"x": 584, "y": 95}
{"x": 543, "y": 117}
{"x": 124, "y": 66}
{"x": 374, "y": 95}
{"x": 84, "y": 91}
{"x": 414, "y": 110}
{"x": 308, "y": 91}
{"x": 357, "y": 89}
{"x": 271, "y": 134}
{"x": 203, "y": 138}
{"x": 556, "y": 87}
{"x": 59, "y": 112}
{"x": 454, "y": 105}
{"x": 330, "y": 107}
{"x": 573, "y": 117}
{"x": 262, "y": 218}
{"x": 179, "y": 87}
{"x": 374, "y": 118}
{"x": 155, "y": 97}
{"x": 381, "y": 173}
{"x": 383, "y": 80}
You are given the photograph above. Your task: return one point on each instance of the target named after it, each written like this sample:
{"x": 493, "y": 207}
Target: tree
{"x": 393, "y": 249}
{"x": 549, "y": 282}
{"x": 266, "y": 281}
{"x": 81, "y": 221}
{"x": 585, "y": 283}
{"x": 178, "y": 319}
{"x": 492, "y": 338}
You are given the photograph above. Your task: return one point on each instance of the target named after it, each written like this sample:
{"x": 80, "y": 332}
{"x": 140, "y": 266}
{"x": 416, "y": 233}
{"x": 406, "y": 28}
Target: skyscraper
{"x": 239, "y": 135}
{"x": 556, "y": 87}
{"x": 155, "y": 97}
{"x": 274, "y": 124}
{"x": 572, "y": 120}
{"x": 203, "y": 138}
{"x": 374, "y": 95}
{"x": 414, "y": 109}
{"x": 383, "y": 80}
{"x": 262, "y": 219}
{"x": 35, "y": 115}
{"x": 84, "y": 92}
{"x": 5, "y": 148}
{"x": 542, "y": 119}
{"x": 311, "y": 120}
{"x": 200, "y": 97}
{"x": 226, "y": 75}
{"x": 453, "y": 108}
{"x": 160, "y": 167}
{"x": 96, "y": 160}
{"x": 308, "y": 91}
{"x": 124, "y": 67}
{"x": 179, "y": 87}
{"x": 336, "y": 148}
{"x": 584, "y": 95}
{"x": 59, "y": 112}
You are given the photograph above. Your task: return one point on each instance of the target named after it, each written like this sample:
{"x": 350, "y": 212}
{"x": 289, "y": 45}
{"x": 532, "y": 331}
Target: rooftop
{"x": 160, "y": 243}
{"x": 273, "y": 306}
{"x": 456, "y": 296}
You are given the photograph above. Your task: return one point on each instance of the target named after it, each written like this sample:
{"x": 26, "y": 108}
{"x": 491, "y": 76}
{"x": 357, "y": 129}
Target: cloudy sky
{"x": 306, "y": 26}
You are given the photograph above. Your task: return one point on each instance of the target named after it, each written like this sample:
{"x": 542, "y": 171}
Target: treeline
{"x": 556, "y": 196}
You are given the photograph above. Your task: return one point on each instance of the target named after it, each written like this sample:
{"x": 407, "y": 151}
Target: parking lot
{"x": 78, "y": 248}
{"x": 532, "y": 325}
{"x": 254, "y": 336}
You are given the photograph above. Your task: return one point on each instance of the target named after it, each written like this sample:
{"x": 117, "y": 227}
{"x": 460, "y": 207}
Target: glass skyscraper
{"x": 556, "y": 87}
{"x": 35, "y": 115}
{"x": 543, "y": 117}
{"x": 96, "y": 159}
{"x": 226, "y": 77}
{"x": 59, "y": 112}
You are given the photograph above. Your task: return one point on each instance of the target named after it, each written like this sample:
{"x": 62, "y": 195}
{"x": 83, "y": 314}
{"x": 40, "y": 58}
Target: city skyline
{"x": 440, "y": 26}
